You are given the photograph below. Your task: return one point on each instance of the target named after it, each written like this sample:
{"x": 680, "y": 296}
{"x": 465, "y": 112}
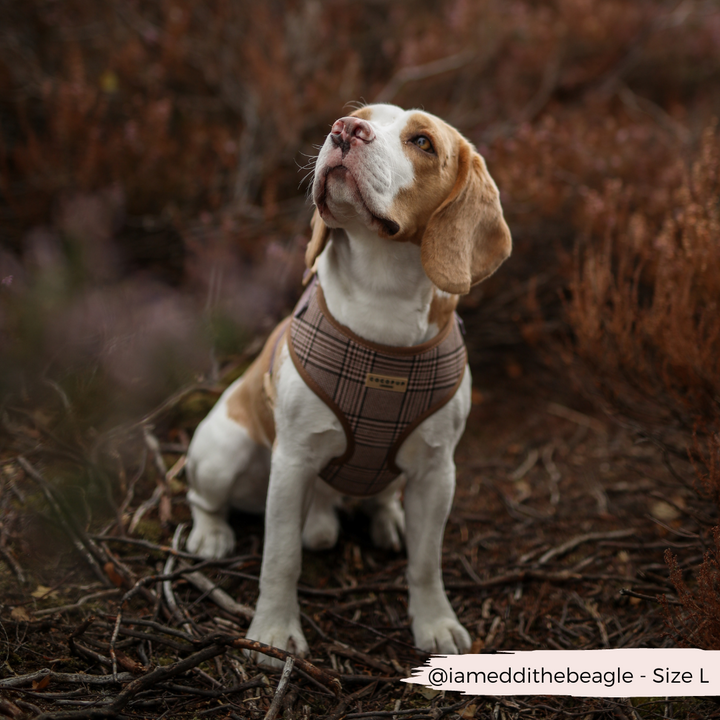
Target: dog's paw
{"x": 387, "y": 526}
{"x": 321, "y": 530}
{"x": 211, "y": 537}
{"x": 442, "y": 635}
{"x": 284, "y": 636}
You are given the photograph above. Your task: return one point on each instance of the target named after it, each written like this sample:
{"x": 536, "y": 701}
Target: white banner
{"x": 628, "y": 672}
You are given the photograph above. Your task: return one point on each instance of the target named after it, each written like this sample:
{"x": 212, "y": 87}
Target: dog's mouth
{"x": 340, "y": 173}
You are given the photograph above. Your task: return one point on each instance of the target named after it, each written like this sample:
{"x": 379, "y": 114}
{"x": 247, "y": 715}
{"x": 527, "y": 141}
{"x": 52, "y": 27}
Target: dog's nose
{"x": 346, "y": 129}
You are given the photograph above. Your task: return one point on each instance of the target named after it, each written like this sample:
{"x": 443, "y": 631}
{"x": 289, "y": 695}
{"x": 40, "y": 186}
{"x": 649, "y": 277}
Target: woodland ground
{"x": 556, "y": 540}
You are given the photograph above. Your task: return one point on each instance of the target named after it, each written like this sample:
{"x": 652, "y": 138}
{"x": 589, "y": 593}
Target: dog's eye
{"x": 423, "y": 143}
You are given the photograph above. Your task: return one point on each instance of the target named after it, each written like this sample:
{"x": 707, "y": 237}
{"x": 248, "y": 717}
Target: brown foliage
{"x": 697, "y": 624}
{"x": 705, "y": 457}
{"x": 644, "y": 314}
{"x": 645, "y": 292}
{"x": 194, "y": 106}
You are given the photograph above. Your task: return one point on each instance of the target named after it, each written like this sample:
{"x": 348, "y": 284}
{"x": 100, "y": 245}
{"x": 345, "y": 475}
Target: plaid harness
{"x": 379, "y": 393}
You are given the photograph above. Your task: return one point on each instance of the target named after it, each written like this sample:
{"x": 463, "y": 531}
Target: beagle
{"x": 407, "y": 218}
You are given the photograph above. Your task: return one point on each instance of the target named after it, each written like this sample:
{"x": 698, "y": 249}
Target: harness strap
{"x": 379, "y": 393}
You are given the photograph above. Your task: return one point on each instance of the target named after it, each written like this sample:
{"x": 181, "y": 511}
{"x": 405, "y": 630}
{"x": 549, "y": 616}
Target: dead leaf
{"x": 41, "y": 684}
{"x": 468, "y": 712}
{"x": 115, "y": 578}
{"x": 663, "y": 511}
{"x": 20, "y": 614}
{"x": 477, "y": 646}
{"x": 42, "y": 592}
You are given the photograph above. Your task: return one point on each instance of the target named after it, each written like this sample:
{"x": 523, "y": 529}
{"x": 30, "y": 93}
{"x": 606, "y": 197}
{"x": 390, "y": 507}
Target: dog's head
{"x": 410, "y": 177}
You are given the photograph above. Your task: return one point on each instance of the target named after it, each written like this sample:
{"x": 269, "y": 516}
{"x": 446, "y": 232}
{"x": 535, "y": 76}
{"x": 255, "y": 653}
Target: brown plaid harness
{"x": 379, "y": 393}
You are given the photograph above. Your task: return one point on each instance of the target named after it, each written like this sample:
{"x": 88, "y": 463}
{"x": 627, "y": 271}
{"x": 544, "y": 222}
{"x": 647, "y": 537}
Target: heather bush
{"x": 644, "y": 315}
{"x": 645, "y": 292}
{"x": 164, "y": 138}
{"x": 695, "y": 623}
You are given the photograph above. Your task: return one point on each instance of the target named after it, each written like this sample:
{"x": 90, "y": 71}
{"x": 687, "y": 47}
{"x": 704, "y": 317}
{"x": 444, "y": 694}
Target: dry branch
{"x": 571, "y": 544}
{"x": 282, "y": 688}
{"x": 81, "y": 678}
{"x": 576, "y": 417}
{"x": 14, "y": 565}
{"x": 76, "y": 605}
{"x": 218, "y": 596}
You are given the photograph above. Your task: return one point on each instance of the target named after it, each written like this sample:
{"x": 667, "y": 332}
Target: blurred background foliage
{"x": 153, "y": 211}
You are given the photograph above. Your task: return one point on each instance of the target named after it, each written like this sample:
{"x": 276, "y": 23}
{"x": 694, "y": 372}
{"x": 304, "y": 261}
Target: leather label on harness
{"x": 386, "y": 382}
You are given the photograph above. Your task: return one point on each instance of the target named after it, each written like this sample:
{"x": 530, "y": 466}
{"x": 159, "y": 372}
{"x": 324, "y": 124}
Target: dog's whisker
{"x": 306, "y": 176}
{"x": 306, "y": 166}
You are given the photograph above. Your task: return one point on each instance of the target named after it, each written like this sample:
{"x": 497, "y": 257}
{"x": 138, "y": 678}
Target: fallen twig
{"x": 218, "y": 596}
{"x": 525, "y": 467}
{"x": 553, "y": 472}
{"x": 258, "y": 681}
{"x": 20, "y": 680}
{"x": 144, "y": 507}
{"x": 168, "y": 592}
{"x": 577, "y": 417}
{"x": 318, "y": 675}
{"x": 76, "y": 605}
{"x": 354, "y": 654}
{"x": 516, "y": 576}
{"x": 571, "y": 544}
{"x": 167, "y": 549}
{"x": 374, "y": 631}
{"x": 152, "y": 637}
{"x": 9, "y": 709}
{"x": 339, "y": 711}
{"x": 281, "y": 690}
{"x": 139, "y": 586}
{"x": 156, "y": 626}
{"x": 651, "y": 598}
{"x": 14, "y": 565}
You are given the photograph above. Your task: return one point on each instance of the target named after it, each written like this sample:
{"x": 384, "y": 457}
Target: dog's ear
{"x": 320, "y": 232}
{"x": 467, "y": 238}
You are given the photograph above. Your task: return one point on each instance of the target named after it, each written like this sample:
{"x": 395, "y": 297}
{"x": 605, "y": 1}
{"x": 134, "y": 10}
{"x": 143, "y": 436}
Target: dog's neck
{"x": 377, "y": 287}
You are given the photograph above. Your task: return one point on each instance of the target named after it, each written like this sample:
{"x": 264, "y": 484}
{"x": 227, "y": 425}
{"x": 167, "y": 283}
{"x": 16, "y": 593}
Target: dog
{"x": 406, "y": 219}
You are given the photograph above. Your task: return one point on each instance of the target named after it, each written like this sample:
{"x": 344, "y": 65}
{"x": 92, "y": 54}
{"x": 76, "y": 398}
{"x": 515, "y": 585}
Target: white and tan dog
{"x": 407, "y": 218}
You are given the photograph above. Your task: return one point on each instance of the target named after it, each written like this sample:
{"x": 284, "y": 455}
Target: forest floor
{"x": 556, "y": 541}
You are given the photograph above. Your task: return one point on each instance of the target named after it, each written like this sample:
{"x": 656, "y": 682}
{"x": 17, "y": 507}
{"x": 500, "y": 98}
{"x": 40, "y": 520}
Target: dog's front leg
{"x": 308, "y": 436}
{"x": 277, "y": 614}
{"x": 428, "y": 498}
